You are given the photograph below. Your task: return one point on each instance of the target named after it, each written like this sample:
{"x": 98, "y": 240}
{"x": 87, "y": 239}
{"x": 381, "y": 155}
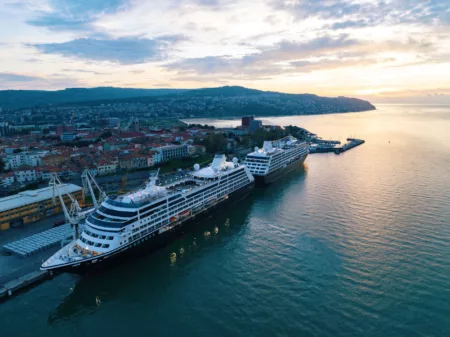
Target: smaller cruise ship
{"x": 276, "y": 158}
{"x": 149, "y": 217}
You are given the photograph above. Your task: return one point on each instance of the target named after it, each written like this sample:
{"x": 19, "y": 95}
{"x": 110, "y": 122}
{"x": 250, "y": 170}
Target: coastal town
{"x": 34, "y": 157}
{"x": 111, "y": 146}
{"x": 39, "y": 160}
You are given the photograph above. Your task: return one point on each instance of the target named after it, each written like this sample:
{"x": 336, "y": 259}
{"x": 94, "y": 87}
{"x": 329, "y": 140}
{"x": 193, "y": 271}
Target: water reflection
{"x": 95, "y": 291}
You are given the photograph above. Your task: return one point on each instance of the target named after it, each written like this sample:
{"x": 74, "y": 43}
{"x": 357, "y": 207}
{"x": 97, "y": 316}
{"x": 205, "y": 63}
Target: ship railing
{"x": 177, "y": 181}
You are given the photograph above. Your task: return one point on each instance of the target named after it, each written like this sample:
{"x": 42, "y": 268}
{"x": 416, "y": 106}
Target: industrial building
{"x": 29, "y": 206}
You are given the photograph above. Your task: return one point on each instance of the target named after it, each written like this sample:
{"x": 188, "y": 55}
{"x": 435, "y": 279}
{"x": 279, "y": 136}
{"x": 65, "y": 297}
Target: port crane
{"x": 89, "y": 183}
{"x": 74, "y": 213}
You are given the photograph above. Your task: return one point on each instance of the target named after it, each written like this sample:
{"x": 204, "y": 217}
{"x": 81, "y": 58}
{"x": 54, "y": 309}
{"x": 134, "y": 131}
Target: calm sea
{"x": 356, "y": 244}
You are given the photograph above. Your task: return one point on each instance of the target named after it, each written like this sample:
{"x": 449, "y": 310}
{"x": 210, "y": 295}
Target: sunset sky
{"x": 385, "y": 51}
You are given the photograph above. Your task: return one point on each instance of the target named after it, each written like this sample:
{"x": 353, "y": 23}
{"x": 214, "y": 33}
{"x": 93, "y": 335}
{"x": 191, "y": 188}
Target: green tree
{"x": 215, "y": 143}
{"x": 297, "y": 132}
{"x": 261, "y": 135}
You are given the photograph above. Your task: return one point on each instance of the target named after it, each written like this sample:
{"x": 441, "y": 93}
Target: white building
{"x": 157, "y": 158}
{"x": 30, "y": 158}
{"x": 34, "y": 158}
{"x": 173, "y": 151}
{"x": 25, "y": 175}
{"x": 7, "y": 179}
{"x": 15, "y": 160}
{"x": 106, "y": 167}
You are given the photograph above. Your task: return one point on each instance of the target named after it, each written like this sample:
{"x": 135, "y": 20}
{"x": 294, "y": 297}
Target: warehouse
{"x": 29, "y": 206}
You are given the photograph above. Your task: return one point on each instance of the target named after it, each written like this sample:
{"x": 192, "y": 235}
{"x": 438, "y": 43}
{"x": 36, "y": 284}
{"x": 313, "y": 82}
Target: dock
{"x": 351, "y": 143}
{"x": 12, "y": 287}
{"x": 332, "y": 146}
{"x": 38, "y": 242}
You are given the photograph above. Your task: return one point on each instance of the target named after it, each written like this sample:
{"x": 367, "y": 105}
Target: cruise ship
{"x": 276, "y": 158}
{"x": 149, "y": 217}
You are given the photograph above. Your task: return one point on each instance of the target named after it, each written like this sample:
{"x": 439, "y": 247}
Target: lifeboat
{"x": 185, "y": 213}
{"x": 173, "y": 219}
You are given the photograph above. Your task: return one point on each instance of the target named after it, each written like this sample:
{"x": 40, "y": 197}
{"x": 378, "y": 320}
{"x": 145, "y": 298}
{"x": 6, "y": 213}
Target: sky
{"x": 395, "y": 51}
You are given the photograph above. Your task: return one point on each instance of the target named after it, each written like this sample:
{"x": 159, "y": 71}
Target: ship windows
{"x": 105, "y": 245}
{"x": 98, "y": 244}
{"x": 110, "y": 238}
{"x": 122, "y": 214}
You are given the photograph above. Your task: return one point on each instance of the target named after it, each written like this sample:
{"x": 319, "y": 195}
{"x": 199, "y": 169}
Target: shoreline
{"x": 274, "y": 116}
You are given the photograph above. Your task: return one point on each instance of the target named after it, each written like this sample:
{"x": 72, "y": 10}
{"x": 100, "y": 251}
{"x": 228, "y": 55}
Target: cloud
{"x": 329, "y": 63}
{"x": 22, "y": 81}
{"x": 76, "y": 14}
{"x": 424, "y": 96}
{"x": 351, "y": 14}
{"x": 267, "y": 62}
{"x": 125, "y": 50}
{"x": 84, "y": 71}
{"x": 11, "y": 77}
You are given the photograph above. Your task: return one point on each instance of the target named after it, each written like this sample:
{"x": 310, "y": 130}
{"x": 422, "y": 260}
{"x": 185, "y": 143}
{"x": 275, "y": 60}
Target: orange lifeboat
{"x": 185, "y": 213}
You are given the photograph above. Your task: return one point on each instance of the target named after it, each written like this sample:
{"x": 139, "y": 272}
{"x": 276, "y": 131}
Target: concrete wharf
{"x": 12, "y": 287}
{"x": 38, "y": 242}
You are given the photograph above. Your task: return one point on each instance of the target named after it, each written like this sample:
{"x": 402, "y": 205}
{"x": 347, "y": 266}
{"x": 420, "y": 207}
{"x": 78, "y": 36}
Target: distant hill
{"x": 221, "y": 101}
{"x": 15, "y": 99}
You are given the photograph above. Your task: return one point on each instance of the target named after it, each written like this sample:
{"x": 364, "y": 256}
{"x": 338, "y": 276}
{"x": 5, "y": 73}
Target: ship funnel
{"x": 267, "y": 146}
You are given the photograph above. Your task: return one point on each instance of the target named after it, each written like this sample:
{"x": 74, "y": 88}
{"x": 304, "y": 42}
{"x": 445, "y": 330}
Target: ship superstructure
{"x": 129, "y": 222}
{"x": 276, "y": 158}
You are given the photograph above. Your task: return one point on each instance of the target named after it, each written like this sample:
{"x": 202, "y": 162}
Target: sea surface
{"x": 356, "y": 244}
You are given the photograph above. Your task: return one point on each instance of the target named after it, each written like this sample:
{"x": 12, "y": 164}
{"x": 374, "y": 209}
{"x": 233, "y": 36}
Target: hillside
{"x": 16, "y": 99}
{"x": 221, "y": 101}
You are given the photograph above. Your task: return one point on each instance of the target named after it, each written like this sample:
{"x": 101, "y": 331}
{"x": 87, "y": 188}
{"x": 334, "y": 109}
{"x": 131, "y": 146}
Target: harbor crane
{"x": 89, "y": 183}
{"x": 74, "y": 214}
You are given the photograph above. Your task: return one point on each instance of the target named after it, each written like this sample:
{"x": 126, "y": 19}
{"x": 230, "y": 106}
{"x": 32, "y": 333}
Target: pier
{"x": 21, "y": 283}
{"x": 322, "y": 146}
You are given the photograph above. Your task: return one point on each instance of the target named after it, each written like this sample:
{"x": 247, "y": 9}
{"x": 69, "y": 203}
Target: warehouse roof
{"x": 32, "y": 196}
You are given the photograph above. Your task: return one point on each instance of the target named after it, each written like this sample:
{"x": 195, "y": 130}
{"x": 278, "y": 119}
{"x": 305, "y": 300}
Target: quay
{"x": 331, "y": 146}
{"x": 351, "y": 143}
{"x": 38, "y": 242}
{"x": 21, "y": 283}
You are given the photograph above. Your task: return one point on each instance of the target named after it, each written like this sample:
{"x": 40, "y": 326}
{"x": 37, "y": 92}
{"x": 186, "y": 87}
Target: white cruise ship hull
{"x": 150, "y": 242}
{"x": 274, "y": 176}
